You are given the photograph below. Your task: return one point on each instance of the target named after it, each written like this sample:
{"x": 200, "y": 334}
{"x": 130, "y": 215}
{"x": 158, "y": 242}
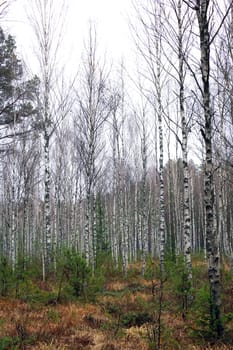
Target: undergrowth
{"x": 118, "y": 306}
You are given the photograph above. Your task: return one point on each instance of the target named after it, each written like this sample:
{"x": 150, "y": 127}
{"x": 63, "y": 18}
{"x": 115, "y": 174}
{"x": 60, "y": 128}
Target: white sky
{"x": 112, "y": 23}
{"x": 110, "y": 17}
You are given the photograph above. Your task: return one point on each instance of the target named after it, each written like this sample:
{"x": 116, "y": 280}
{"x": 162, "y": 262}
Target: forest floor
{"x": 124, "y": 315}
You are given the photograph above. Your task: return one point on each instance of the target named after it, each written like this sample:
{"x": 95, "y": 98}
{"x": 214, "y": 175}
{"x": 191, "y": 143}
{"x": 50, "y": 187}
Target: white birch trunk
{"x": 47, "y": 208}
{"x": 87, "y": 225}
{"x": 186, "y": 201}
{"x": 161, "y": 150}
{"x": 211, "y": 234}
{"x": 94, "y": 242}
{"x": 144, "y": 203}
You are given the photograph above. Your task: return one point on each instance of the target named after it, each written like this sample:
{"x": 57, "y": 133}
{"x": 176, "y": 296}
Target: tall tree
{"x": 203, "y": 10}
{"x": 47, "y": 20}
{"x": 211, "y": 238}
{"x": 18, "y": 109}
{"x": 149, "y": 44}
{"x": 185, "y": 128}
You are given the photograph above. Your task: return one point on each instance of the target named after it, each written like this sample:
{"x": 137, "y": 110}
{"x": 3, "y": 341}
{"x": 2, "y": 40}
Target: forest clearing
{"x": 115, "y": 312}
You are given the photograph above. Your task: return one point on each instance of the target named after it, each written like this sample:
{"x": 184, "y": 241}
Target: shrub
{"x": 6, "y": 343}
{"x": 202, "y": 314}
{"x": 76, "y": 272}
{"x": 5, "y": 276}
{"x": 136, "y": 319}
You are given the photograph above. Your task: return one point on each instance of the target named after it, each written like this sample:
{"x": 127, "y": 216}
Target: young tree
{"x": 93, "y": 111}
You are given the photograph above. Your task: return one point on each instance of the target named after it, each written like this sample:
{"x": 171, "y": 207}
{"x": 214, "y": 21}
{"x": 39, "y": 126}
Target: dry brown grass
{"x": 77, "y": 326}
{"x": 199, "y": 263}
{"x": 60, "y": 327}
{"x": 116, "y": 286}
{"x": 80, "y": 327}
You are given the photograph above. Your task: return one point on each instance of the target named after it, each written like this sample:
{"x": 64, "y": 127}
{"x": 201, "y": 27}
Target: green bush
{"x": 95, "y": 286}
{"x": 131, "y": 319}
{"x": 17, "y": 280}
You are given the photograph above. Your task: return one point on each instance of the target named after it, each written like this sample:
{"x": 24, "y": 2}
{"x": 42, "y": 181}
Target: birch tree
{"x": 185, "y": 128}
{"x": 47, "y": 20}
{"x": 115, "y": 141}
{"x": 144, "y": 153}
{"x": 177, "y": 36}
{"x": 141, "y": 203}
{"x": 224, "y": 122}
{"x": 203, "y": 10}
{"x": 149, "y": 45}
{"x": 93, "y": 111}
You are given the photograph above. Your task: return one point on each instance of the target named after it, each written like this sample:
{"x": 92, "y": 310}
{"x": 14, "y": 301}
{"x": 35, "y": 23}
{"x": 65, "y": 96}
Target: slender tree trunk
{"x": 211, "y": 234}
{"x": 47, "y": 208}
{"x": 136, "y": 221}
{"x": 94, "y": 229}
{"x": 161, "y": 166}
{"x": 186, "y": 209}
{"x": 115, "y": 147}
{"x": 13, "y": 241}
{"x": 145, "y": 243}
{"x": 87, "y": 224}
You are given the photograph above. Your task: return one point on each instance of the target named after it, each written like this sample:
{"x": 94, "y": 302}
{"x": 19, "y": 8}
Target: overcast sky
{"x": 110, "y": 17}
{"x": 112, "y": 22}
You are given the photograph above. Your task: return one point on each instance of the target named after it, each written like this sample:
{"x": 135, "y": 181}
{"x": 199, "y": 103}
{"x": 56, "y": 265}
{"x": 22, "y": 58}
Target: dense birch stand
{"x": 67, "y": 214}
